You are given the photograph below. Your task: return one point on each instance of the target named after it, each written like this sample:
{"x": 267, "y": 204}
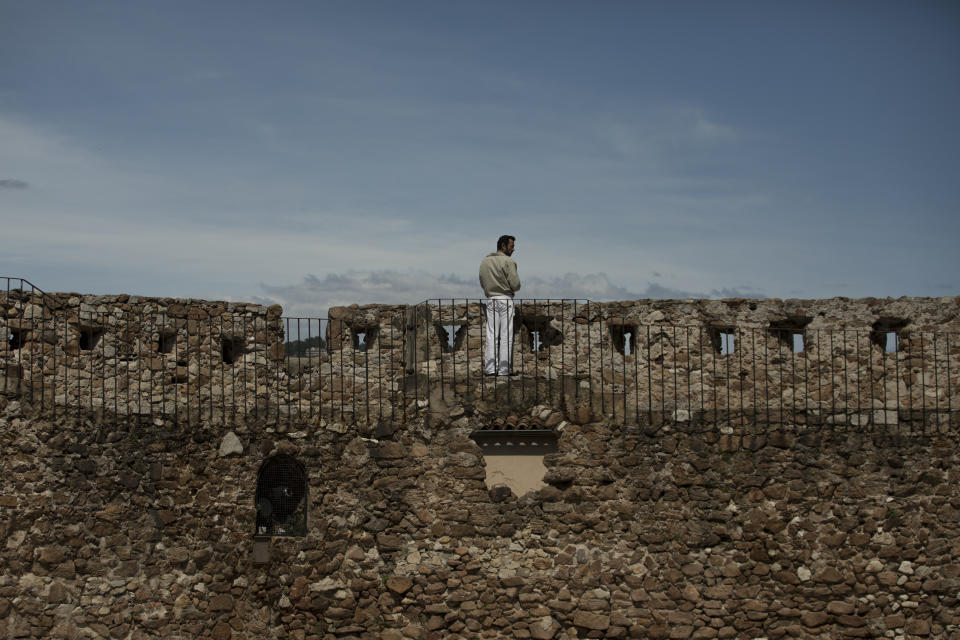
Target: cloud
{"x": 315, "y": 295}
{"x": 657, "y": 134}
{"x": 76, "y": 176}
{"x": 706, "y": 129}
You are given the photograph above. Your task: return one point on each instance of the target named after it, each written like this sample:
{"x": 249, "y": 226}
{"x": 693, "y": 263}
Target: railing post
{"x": 409, "y": 340}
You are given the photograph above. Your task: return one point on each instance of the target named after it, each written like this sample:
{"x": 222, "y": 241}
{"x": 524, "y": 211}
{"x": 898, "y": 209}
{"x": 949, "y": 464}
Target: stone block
{"x": 221, "y": 602}
{"x": 399, "y": 585}
{"x": 230, "y": 445}
{"x": 591, "y": 620}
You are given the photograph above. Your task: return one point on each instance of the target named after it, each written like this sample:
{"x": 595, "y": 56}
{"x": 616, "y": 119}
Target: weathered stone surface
{"x": 399, "y": 585}
{"x": 221, "y": 631}
{"x": 840, "y": 608}
{"x": 691, "y": 523}
{"x": 918, "y": 627}
{"x": 230, "y": 445}
{"x": 830, "y": 575}
{"x": 221, "y": 602}
{"x": 178, "y": 555}
{"x": 814, "y": 618}
{"x": 57, "y": 594}
{"x": 544, "y": 629}
{"x": 590, "y": 620}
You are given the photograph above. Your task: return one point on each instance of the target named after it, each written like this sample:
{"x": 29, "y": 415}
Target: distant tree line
{"x": 296, "y": 348}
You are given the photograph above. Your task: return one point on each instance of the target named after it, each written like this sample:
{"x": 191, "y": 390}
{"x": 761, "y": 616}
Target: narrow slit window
{"x": 892, "y": 342}
{"x": 798, "y": 342}
{"x": 727, "y": 343}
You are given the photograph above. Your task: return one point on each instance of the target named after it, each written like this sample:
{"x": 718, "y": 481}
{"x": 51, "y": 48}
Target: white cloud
{"x": 707, "y": 129}
{"x": 314, "y": 295}
{"x": 179, "y": 235}
{"x": 656, "y": 134}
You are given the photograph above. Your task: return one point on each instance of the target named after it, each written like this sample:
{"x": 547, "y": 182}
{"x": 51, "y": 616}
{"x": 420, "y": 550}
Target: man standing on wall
{"x": 499, "y": 279}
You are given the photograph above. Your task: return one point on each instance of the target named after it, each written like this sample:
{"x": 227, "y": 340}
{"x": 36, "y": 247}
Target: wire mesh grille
{"x": 281, "y": 497}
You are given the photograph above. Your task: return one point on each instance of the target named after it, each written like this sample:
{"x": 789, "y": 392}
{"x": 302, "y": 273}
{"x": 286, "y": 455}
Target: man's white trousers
{"x": 499, "y": 336}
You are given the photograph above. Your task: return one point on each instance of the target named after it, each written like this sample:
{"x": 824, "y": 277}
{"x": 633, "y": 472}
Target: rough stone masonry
{"x": 120, "y": 527}
{"x": 884, "y": 363}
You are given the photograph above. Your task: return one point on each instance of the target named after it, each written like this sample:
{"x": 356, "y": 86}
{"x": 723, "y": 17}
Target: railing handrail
{"x": 387, "y": 361}
{"x": 32, "y": 286}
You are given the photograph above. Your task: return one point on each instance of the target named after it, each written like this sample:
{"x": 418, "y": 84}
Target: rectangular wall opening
{"x": 727, "y": 343}
{"x": 363, "y": 337}
{"x": 624, "y": 338}
{"x": 891, "y": 342}
{"x": 886, "y": 333}
{"x": 539, "y": 333}
{"x": 166, "y": 342}
{"x": 451, "y": 336}
{"x": 514, "y": 463}
{"x": 17, "y": 338}
{"x": 790, "y": 331}
{"x": 90, "y": 338}
{"x": 232, "y": 349}
{"x": 723, "y": 340}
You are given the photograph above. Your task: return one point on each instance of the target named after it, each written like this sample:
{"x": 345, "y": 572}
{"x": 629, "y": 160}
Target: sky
{"x": 336, "y": 152}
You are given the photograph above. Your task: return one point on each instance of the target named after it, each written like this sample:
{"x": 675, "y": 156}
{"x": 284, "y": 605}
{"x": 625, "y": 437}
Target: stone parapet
{"x": 879, "y": 362}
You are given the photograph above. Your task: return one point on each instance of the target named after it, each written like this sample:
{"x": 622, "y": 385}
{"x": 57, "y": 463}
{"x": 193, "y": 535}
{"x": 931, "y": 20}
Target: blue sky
{"x": 317, "y": 153}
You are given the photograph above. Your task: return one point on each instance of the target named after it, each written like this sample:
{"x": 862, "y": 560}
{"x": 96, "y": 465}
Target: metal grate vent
{"x": 281, "y": 498}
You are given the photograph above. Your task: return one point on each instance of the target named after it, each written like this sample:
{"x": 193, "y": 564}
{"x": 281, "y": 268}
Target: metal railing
{"x": 215, "y": 371}
{"x": 712, "y": 376}
{"x": 387, "y": 363}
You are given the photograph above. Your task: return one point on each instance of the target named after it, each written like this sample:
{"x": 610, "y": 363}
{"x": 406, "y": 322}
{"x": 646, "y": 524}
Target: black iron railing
{"x": 632, "y": 372}
{"x": 214, "y": 364}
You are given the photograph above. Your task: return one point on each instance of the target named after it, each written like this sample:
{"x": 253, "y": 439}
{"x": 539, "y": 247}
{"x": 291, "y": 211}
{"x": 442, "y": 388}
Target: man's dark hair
{"x": 503, "y": 241}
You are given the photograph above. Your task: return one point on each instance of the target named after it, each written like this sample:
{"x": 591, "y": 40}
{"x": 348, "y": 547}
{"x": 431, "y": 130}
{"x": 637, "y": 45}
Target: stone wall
{"x": 194, "y": 361}
{"x": 767, "y": 362}
{"x": 826, "y": 506}
{"x": 125, "y": 529}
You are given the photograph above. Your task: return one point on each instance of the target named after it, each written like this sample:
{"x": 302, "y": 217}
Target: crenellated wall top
{"x": 922, "y": 314}
{"x": 905, "y": 313}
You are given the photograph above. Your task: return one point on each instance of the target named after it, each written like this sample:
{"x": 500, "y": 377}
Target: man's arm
{"x": 513, "y": 277}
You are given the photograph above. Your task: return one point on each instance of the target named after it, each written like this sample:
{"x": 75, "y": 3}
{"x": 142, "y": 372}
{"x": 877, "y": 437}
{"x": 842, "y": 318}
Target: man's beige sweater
{"x": 498, "y": 275}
